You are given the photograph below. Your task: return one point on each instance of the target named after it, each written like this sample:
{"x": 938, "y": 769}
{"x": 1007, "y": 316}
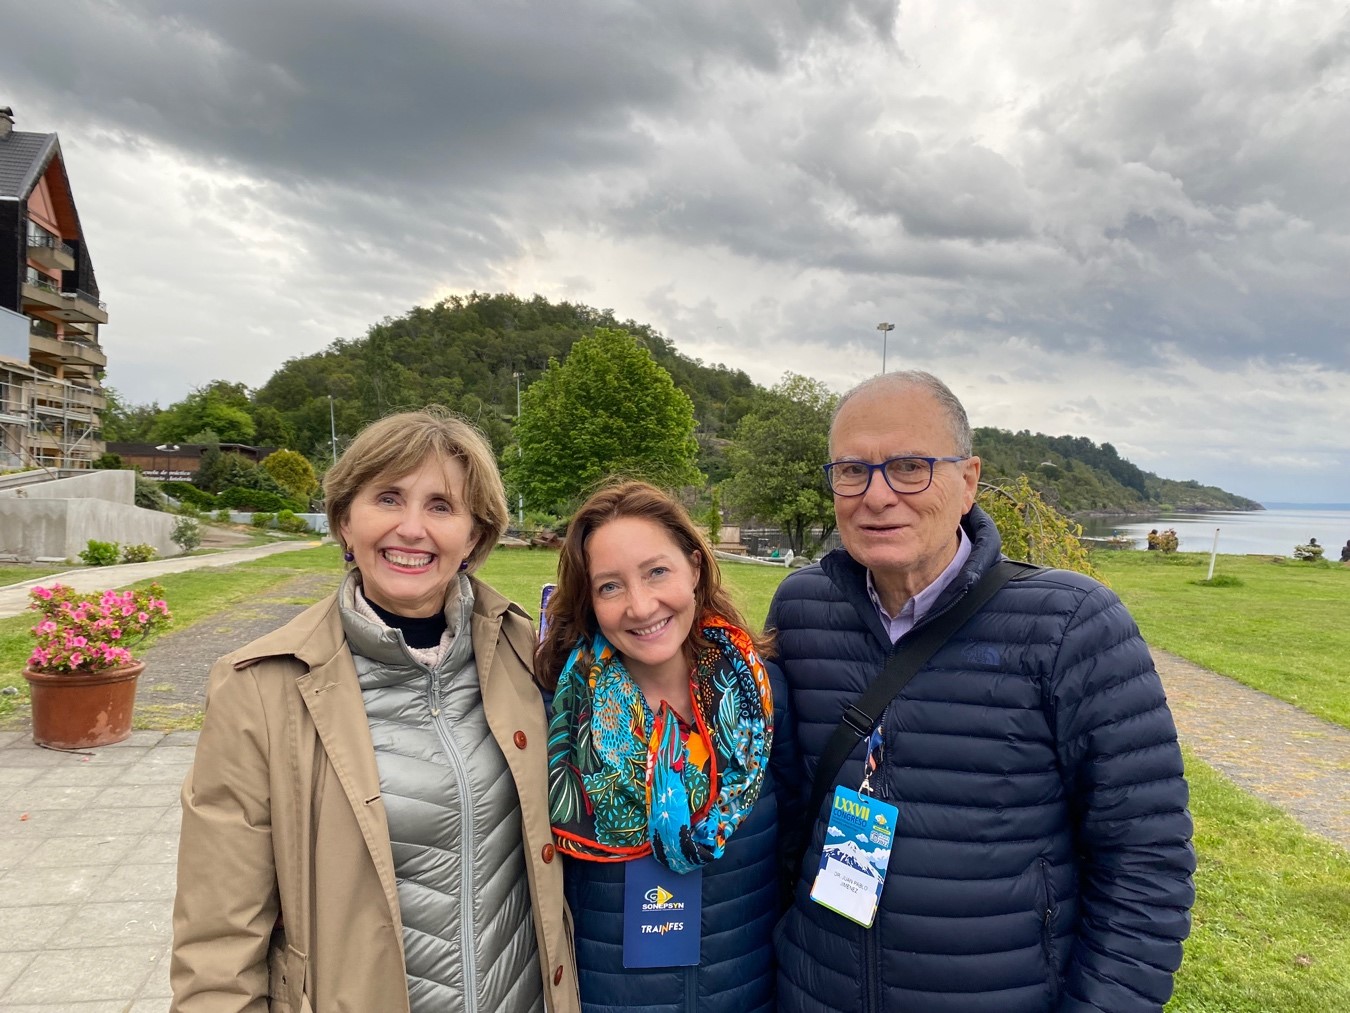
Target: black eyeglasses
{"x": 905, "y": 475}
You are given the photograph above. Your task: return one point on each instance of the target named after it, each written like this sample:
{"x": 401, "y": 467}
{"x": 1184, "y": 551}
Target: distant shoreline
{"x": 1181, "y": 509}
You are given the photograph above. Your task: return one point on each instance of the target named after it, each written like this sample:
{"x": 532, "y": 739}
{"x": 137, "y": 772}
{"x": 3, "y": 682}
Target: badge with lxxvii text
{"x": 662, "y": 913}
{"x": 855, "y": 857}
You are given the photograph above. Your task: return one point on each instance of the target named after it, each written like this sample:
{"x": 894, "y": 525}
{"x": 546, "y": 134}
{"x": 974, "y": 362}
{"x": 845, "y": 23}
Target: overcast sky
{"x": 1129, "y": 222}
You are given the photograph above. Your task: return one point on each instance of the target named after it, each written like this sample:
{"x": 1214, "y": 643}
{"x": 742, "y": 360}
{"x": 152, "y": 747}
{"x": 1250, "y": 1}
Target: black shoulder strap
{"x": 860, "y": 717}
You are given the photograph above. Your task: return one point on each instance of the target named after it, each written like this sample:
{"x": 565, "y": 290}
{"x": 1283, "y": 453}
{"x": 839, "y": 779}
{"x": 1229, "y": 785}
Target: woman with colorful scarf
{"x": 669, "y": 759}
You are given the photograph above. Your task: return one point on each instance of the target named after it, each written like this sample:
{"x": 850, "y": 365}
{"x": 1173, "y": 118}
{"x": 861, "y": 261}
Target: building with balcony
{"x": 51, "y": 363}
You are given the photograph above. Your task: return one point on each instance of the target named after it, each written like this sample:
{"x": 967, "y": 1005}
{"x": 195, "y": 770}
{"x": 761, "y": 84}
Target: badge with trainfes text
{"x": 662, "y": 913}
{"x": 855, "y": 857}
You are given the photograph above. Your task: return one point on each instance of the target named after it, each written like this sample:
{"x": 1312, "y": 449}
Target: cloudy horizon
{"x": 1126, "y": 224}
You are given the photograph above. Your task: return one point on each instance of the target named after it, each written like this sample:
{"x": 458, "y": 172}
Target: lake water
{"x": 1270, "y": 532}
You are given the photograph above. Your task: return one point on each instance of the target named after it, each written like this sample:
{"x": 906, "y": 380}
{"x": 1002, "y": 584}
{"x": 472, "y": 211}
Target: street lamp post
{"x": 520, "y": 496}
{"x": 168, "y": 448}
{"x": 885, "y": 330}
{"x": 332, "y": 427}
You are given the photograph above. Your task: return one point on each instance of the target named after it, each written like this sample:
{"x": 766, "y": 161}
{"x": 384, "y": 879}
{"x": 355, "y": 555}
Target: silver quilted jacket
{"x": 454, "y": 820}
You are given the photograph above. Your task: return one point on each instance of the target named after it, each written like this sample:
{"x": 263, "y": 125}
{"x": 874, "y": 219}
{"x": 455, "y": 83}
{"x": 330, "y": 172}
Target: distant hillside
{"x": 1079, "y": 476}
{"x": 464, "y": 352}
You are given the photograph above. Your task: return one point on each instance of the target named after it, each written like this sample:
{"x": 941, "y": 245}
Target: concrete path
{"x": 88, "y": 851}
{"x": 14, "y": 597}
{"x": 1279, "y": 753}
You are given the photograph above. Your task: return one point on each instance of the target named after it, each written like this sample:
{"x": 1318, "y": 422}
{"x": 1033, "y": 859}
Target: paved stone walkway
{"x": 1293, "y": 760}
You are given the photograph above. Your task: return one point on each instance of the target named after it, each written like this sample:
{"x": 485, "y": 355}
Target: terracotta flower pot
{"x": 77, "y": 710}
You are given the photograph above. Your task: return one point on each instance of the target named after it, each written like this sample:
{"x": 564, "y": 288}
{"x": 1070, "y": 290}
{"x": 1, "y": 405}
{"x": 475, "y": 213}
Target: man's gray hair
{"x": 908, "y": 379}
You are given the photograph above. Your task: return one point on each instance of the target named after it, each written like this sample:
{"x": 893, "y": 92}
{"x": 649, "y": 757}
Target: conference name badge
{"x": 662, "y": 915}
{"x": 855, "y": 857}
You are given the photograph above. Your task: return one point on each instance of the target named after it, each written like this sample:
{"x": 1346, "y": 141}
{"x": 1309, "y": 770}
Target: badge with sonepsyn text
{"x": 662, "y": 912}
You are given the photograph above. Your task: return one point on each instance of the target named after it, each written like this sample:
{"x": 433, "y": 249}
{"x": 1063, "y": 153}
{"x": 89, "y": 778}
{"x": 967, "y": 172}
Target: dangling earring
{"x": 348, "y": 557}
{"x": 463, "y": 565}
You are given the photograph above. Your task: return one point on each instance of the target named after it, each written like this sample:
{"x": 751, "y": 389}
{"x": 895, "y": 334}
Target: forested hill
{"x": 1078, "y": 476}
{"x": 464, "y": 353}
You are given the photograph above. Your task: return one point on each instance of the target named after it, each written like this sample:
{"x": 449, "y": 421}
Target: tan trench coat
{"x": 282, "y": 815}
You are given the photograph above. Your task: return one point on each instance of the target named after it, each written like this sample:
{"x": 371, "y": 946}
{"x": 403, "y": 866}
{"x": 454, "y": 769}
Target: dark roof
{"x": 23, "y": 157}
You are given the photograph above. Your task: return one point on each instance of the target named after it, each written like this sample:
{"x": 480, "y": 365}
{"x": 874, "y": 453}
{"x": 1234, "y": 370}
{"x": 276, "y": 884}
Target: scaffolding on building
{"x": 46, "y": 422}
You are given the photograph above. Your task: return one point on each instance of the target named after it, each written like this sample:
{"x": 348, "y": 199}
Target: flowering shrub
{"x": 90, "y": 632}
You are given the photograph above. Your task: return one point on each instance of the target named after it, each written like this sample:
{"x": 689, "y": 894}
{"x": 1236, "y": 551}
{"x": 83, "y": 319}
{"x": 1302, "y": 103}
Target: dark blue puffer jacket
{"x": 742, "y": 899}
{"x": 1042, "y": 860}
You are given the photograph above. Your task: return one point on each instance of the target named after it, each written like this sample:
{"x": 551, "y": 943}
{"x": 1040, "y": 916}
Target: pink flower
{"x": 142, "y": 617}
{"x": 76, "y": 660}
{"x": 45, "y": 593}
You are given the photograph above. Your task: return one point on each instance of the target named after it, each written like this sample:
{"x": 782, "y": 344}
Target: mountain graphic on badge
{"x": 854, "y": 857}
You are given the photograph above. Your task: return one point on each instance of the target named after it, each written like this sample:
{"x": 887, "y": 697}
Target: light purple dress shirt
{"x": 917, "y": 607}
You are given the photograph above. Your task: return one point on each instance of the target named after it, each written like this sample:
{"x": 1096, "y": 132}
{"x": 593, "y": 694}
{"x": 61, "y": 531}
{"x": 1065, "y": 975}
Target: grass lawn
{"x": 1281, "y": 627}
{"x": 18, "y": 573}
{"x": 1271, "y": 924}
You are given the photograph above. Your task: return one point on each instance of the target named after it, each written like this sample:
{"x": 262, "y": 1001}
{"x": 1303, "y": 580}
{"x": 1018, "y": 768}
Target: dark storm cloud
{"x": 408, "y": 91}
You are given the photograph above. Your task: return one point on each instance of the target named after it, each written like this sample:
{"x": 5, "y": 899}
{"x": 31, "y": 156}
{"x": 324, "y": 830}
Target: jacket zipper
{"x": 1047, "y": 940}
{"x": 691, "y": 989}
{"x": 466, "y": 843}
{"x": 871, "y": 986}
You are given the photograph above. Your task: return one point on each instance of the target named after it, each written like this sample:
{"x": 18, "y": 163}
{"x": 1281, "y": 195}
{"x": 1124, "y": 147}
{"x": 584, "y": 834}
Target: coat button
{"x": 548, "y": 852}
{"x": 520, "y": 740}
{"x": 557, "y": 975}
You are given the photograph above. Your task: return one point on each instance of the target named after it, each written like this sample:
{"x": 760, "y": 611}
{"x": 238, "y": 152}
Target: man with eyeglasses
{"x": 1027, "y": 779}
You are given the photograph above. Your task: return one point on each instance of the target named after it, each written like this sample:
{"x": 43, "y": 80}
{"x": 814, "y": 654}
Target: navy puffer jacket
{"x": 1042, "y": 860}
{"x": 742, "y": 899}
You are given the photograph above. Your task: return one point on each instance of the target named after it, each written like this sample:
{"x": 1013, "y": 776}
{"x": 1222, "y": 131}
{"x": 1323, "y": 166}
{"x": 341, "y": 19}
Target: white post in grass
{"x": 1212, "y": 553}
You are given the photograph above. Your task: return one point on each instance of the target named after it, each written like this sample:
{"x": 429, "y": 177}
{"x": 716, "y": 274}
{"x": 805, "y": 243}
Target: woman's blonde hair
{"x": 570, "y": 616}
{"x": 400, "y": 444}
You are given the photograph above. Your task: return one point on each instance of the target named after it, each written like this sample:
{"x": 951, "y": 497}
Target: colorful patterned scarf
{"x": 624, "y": 782}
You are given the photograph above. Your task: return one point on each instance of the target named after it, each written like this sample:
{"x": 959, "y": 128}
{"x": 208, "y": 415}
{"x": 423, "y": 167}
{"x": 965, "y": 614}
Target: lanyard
{"x": 872, "y": 763}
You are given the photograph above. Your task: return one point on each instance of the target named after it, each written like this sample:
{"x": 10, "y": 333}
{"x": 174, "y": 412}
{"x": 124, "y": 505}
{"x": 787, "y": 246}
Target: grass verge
{"x": 1272, "y": 908}
{"x": 1277, "y": 625}
{"x": 18, "y": 573}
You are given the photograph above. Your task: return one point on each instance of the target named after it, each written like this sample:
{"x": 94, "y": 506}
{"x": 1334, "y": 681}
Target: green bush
{"x": 262, "y": 520}
{"x": 109, "y": 461}
{"x": 288, "y": 521}
{"x": 223, "y": 515}
{"x": 141, "y": 553}
{"x": 187, "y": 534}
{"x": 98, "y": 553}
{"x": 148, "y": 495}
{"x": 186, "y": 492}
{"x": 241, "y": 498}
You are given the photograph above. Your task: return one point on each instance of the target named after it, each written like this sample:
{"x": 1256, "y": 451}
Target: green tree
{"x": 610, "y": 409}
{"x": 293, "y": 473}
{"x": 1032, "y": 530}
{"x": 123, "y": 422}
{"x": 776, "y": 456}
{"x": 220, "y": 406}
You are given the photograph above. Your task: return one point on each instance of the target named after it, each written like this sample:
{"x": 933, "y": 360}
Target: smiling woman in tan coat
{"x": 365, "y": 826}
